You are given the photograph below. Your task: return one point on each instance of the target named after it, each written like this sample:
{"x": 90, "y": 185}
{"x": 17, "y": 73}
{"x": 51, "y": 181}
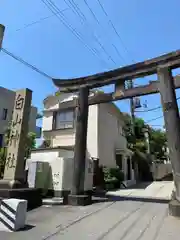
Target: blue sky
{"x": 147, "y": 28}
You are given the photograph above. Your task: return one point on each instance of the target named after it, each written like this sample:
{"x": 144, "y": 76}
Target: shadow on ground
{"x": 169, "y": 177}
{"x": 26, "y": 228}
{"x": 142, "y": 185}
{"x": 138, "y": 199}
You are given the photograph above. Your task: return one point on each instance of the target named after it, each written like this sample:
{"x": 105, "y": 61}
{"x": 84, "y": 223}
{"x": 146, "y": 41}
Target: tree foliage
{"x": 136, "y": 141}
{"x": 30, "y": 144}
{"x": 158, "y": 142}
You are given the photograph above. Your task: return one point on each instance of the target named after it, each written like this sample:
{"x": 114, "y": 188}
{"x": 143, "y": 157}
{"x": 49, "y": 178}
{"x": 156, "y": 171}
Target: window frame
{"x": 1, "y": 140}
{"x": 55, "y": 114}
{"x": 4, "y": 114}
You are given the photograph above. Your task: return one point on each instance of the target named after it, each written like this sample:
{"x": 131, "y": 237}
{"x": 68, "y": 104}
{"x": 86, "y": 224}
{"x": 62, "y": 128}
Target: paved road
{"x": 122, "y": 220}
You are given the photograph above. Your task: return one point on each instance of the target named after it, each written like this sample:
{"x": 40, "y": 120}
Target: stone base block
{"x": 12, "y": 184}
{"x": 12, "y": 214}
{"x": 52, "y": 201}
{"x": 174, "y": 208}
{"x": 32, "y": 195}
{"x": 79, "y": 200}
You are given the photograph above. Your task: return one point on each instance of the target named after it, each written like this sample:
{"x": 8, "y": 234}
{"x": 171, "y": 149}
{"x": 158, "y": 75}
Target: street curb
{"x": 137, "y": 198}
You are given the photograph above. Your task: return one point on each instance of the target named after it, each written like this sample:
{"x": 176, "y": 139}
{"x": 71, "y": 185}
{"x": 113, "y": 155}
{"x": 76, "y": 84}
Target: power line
{"x": 85, "y": 19}
{"x": 154, "y": 119}
{"x": 122, "y": 42}
{"x": 56, "y": 11}
{"x": 96, "y": 19}
{"x": 70, "y": 4}
{"x": 33, "y": 23}
{"x": 148, "y": 110}
{"x": 152, "y": 125}
{"x": 114, "y": 28}
{"x": 78, "y": 12}
{"x": 151, "y": 120}
{"x": 73, "y": 3}
{"x": 153, "y": 109}
{"x": 92, "y": 12}
{"x": 74, "y": 7}
{"x": 38, "y": 21}
{"x": 19, "y": 59}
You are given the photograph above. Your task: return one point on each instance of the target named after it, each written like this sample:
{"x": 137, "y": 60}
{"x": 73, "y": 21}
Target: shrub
{"x": 113, "y": 177}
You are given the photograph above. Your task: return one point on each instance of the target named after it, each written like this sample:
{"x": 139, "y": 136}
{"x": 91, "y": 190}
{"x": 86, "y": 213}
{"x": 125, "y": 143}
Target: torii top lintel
{"x": 141, "y": 69}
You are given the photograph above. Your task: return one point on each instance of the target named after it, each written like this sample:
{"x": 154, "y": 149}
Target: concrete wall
{"x": 47, "y": 121}
{"x": 132, "y": 181}
{"x": 7, "y": 98}
{"x": 110, "y": 134}
{"x": 61, "y": 168}
{"x": 92, "y": 134}
{"x": 161, "y": 170}
{"x": 50, "y": 154}
{"x": 65, "y": 137}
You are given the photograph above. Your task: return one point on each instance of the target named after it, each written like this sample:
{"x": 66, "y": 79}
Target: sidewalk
{"x": 155, "y": 192}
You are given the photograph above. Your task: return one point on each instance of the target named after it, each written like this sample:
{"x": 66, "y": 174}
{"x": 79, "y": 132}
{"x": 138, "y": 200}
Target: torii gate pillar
{"x": 77, "y": 196}
{"x": 172, "y": 124}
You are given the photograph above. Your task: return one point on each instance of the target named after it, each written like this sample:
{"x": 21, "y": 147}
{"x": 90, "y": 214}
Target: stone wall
{"x": 161, "y": 170}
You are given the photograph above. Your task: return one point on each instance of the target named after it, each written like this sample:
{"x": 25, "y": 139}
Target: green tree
{"x": 157, "y": 137}
{"x": 30, "y": 144}
{"x": 158, "y": 142}
{"x": 135, "y": 141}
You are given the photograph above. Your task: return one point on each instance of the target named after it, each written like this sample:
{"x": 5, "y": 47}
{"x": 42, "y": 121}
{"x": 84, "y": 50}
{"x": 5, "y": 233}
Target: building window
{"x": 64, "y": 120}
{"x": 133, "y": 165}
{"x": 119, "y": 159}
{"x": 119, "y": 127}
{"x": 4, "y": 114}
{"x": 1, "y": 140}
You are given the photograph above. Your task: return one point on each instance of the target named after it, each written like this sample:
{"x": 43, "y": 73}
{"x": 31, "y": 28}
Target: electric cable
{"x": 19, "y": 59}
{"x": 56, "y": 11}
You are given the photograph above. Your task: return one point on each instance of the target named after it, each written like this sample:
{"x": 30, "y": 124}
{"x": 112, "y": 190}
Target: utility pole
{"x": 146, "y": 136}
{"x": 2, "y": 29}
{"x": 172, "y": 124}
{"x": 132, "y": 108}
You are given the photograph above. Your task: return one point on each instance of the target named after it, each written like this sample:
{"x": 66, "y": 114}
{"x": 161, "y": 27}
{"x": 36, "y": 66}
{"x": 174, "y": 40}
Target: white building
{"x": 7, "y": 98}
{"x": 105, "y": 138}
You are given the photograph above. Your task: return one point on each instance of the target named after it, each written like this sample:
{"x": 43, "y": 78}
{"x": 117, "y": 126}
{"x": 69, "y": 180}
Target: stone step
{"x": 52, "y": 201}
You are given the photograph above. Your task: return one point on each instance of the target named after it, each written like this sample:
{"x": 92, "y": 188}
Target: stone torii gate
{"x": 166, "y": 84}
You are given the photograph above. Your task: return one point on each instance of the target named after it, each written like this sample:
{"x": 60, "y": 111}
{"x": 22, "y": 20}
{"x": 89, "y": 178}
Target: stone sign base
{"x": 12, "y": 184}
{"x": 174, "y": 208}
{"x": 79, "y": 200}
{"x": 32, "y": 195}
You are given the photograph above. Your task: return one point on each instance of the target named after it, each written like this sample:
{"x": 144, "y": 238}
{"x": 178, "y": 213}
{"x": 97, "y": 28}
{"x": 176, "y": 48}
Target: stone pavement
{"x": 122, "y": 220}
{"x": 157, "y": 191}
